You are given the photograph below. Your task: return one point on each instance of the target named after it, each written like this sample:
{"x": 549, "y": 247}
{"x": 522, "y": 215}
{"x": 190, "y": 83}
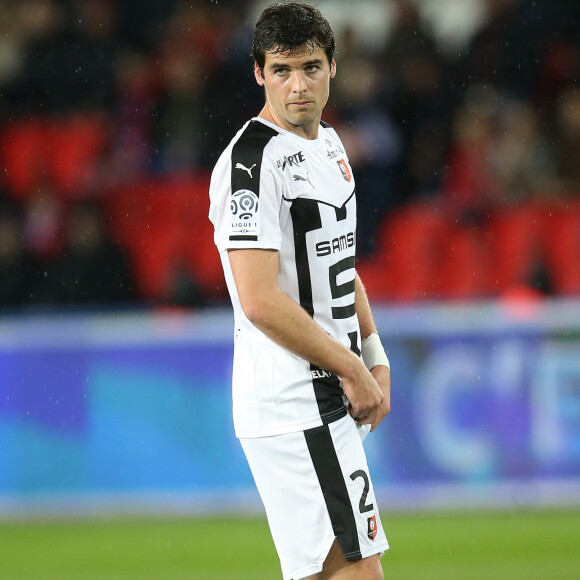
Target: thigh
{"x": 337, "y": 568}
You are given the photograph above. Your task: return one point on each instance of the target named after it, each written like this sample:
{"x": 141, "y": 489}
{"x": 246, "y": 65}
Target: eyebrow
{"x": 282, "y": 63}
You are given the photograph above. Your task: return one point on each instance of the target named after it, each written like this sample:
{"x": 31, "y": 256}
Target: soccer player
{"x": 310, "y": 375}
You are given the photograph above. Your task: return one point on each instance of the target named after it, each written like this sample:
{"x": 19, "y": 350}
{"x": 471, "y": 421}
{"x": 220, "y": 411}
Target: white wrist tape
{"x": 373, "y": 353}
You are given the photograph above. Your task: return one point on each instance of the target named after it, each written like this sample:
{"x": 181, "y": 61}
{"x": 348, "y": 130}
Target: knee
{"x": 374, "y": 569}
{"x": 370, "y": 569}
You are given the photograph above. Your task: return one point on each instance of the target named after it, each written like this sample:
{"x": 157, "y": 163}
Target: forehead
{"x": 296, "y": 56}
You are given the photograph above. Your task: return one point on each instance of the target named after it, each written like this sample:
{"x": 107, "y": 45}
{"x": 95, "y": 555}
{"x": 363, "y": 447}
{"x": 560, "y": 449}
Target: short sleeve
{"x": 248, "y": 217}
{"x": 246, "y": 192}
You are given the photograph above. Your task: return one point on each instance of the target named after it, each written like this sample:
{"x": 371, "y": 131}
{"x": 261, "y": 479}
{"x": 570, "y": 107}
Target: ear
{"x": 332, "y": 69}
{"x": 258, "y": 75}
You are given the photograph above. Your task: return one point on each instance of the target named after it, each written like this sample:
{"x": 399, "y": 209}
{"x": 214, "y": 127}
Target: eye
{"x": 311, "y": 68}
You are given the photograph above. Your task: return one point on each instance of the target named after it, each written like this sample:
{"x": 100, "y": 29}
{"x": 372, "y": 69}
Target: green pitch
{"x": 530, "y": 545}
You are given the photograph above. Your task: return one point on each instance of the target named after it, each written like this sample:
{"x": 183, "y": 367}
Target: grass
{"x": 517, "y": 545}
{"x": 529, "y": 545}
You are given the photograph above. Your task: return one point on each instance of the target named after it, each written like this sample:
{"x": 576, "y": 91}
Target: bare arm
{"x": 382, "y": 374}
{"x": 284, "y": 321}
{"x": 363, "y": 309}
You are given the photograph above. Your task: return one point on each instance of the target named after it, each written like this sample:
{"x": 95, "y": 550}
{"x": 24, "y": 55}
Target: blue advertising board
{"x": 133, "y": 411}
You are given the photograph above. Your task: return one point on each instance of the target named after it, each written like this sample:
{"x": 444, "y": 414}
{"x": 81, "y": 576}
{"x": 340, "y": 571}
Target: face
{"x": 297, "y": 88}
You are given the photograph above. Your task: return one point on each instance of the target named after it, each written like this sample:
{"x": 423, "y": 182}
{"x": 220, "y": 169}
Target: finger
{"x": 357, "y": 411}
{"x": 359, "y": 418}
{"x": 375, "y": 418}
{"x": 358, "y": 414}
{"x": 364, "y": 419}
{"x": 379, "y": 417}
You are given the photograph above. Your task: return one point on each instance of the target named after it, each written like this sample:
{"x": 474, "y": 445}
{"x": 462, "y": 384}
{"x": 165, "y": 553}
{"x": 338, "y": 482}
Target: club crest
{"x": 345, "y": 170}
{"x": 372, "y": 527}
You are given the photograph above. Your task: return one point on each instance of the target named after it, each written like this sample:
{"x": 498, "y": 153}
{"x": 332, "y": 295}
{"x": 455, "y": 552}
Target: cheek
{"x": 276, "y": 91}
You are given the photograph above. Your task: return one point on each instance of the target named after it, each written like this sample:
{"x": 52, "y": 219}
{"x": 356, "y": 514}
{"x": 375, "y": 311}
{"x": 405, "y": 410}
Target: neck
{"x": 306, "y": 131}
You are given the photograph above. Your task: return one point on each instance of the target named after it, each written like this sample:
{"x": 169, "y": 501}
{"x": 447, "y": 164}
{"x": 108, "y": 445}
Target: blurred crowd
{"x": 97, "y": 95}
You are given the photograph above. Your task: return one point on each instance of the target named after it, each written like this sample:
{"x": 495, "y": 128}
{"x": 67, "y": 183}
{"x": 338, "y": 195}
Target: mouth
{"x": 301, "y": 104}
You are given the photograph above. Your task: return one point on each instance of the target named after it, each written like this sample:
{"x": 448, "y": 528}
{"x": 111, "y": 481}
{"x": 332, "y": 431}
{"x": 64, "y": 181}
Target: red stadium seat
{"x": 466, "y": 263}
{"x": 517, "y": 238}
{"x": 149, "y": 204}
{"x": 25, "y": 156}
{"x": 77, "y": 146}
{"x": 153, "y": 259}
{"x": 198, "y": 247}
{"x": 412, "y": 244}
{"x": 563, "y": 249}
{"x": 163, "y": 222}
{"x": 410, "y": 250}
{"x": 373, "y": 272}
{"x": 61, "y": 152}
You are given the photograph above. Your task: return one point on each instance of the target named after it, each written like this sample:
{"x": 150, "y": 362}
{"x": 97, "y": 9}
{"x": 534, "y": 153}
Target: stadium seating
{"x": 562, "y": 248}
{"x": 466, "y": 268}
{"x": 517, "y": 236}
{"x": 163, "y": 223}
{"x": 407, "y": 263}
{"x": 62, "y": 152}
{"x": 425, "y": 253}
{"x": 24, "y": 154}
{"x": 76, "y": 147}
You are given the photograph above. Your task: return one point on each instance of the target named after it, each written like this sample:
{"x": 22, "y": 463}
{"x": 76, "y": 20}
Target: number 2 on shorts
{"x": 362, "y": 504}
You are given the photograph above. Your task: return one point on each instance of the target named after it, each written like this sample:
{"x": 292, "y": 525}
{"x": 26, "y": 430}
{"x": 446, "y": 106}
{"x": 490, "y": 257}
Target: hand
{"x": 382, "y": 376}
{"x": 366, "y": 397}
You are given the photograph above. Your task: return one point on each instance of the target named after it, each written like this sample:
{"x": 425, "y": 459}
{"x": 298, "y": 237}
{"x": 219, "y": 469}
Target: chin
{"x": 302, "y": 119}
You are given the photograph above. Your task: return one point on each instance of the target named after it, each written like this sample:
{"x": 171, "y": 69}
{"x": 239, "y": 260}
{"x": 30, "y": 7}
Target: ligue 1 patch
{"x": 345, "y": 170}
{"x": 245, "y": 213}
{"x": 372, "y": 527}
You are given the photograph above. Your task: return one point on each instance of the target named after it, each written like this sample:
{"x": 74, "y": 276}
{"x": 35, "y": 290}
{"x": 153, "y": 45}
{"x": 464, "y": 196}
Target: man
{"x": 284, "y": 211}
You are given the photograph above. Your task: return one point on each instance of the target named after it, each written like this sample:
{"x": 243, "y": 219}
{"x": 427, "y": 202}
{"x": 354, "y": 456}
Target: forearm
{"x": 284, "y": 321}
{"x": 381, "y": 371}
{"x": 363, "y": 309}
{"x": 288, "y": 324}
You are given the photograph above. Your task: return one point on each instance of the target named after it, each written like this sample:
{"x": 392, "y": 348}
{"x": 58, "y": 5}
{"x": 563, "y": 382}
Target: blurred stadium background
{"x": 462, "y": 122}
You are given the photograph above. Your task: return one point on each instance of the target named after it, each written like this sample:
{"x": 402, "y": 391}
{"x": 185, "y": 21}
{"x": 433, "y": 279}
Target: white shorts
{"x": 315, "y": 486}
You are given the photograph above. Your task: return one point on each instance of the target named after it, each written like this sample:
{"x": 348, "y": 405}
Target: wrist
{"x": 373, "y": 353}
{"x": 353, "y": 367}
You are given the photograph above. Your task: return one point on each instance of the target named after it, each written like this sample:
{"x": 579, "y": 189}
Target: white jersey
{"x": 272, "y": 189}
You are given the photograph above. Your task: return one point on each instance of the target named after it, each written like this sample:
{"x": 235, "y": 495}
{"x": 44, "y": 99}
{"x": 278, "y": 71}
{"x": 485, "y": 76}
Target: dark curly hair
{"x": 291, "y": 26}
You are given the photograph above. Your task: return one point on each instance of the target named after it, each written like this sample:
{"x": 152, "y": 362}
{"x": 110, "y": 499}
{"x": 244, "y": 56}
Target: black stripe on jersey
{"x": 329, "y": 395}
{"x": 353, "y": 336}
{"x": 246, "y": 161}
{"x": 341, "y": 211}
{"x": 305, "y": 218}
{"x": 331, "y": 479}
{"x": 325, "y": 125}
{"x": 247, "y": 156}
{"x": 305, "y": 215}
{"x": 340, "y": 290}
{"x": 243, "y": 238}
{"x": 328, "y": 391}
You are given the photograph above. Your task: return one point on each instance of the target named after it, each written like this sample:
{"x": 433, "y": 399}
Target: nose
{"x": 299, "y": 82}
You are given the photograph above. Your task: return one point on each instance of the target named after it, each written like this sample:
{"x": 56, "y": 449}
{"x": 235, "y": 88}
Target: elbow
{"x": 256, "y": 309}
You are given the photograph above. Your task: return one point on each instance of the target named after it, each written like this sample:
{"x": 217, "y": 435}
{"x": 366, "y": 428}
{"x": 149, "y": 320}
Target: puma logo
{"x": 300, "y": 178}
{"x": 244, "y": 168}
